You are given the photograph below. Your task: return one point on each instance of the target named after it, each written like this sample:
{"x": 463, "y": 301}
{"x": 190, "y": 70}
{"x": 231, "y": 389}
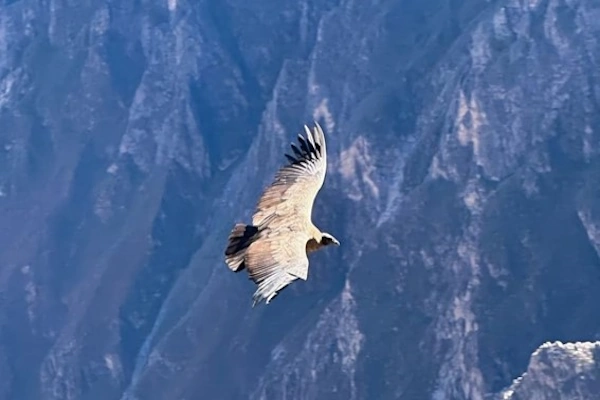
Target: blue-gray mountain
{"x": 463, "y": 142}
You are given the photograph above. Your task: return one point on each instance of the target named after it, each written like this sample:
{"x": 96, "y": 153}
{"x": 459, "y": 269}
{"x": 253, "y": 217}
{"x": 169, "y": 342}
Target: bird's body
{"x": 275, "y": 246}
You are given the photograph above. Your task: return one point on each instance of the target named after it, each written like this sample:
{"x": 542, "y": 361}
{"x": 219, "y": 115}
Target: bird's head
{"x": 327, "y": 239}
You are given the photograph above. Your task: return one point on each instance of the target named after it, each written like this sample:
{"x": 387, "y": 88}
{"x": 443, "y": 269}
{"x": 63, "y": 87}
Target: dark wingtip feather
{"x": 296, "y": 150}
{"x": 319, "y": 149}
{"x": 303, "y": 145}
{"x": 310, "y": 146}
{"x": 311, "y": 140}
{"x": 319, "y": 135}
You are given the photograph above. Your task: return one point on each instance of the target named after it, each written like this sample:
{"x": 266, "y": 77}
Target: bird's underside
{"x": 273, "y": 249}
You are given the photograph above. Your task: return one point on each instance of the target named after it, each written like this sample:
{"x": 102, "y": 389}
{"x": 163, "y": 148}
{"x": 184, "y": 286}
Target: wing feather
{"x": 296, "y": 150}
{"x": 296, "y": 184}
{"x": 311, "y": 141}
{"x": 275, "y": 261}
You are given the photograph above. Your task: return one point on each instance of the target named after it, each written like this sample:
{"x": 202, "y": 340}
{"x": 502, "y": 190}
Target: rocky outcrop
{"x": 462, "y": 183}
{"x": 567, "y": 371}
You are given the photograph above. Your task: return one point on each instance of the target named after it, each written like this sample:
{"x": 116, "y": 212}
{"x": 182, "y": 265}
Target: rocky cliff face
{"x": 559, "y": 371}
{"x": 463, "y": 183}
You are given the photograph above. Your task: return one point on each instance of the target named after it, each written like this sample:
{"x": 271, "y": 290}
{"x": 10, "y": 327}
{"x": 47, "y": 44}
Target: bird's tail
{"x": 240, "y": 238}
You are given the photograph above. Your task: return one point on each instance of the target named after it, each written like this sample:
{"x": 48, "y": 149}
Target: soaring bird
{"x": 274, "y": 248}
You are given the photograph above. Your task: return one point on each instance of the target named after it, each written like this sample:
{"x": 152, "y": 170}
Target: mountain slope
{"x": 462, "y": 184}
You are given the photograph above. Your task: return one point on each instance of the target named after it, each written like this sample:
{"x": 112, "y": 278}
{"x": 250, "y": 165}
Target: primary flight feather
{"x": 274, "y": 248}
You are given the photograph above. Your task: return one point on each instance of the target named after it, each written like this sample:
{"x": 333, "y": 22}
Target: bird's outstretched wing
{"x": 296, "y": 185}
{"x": 276, "y": 260}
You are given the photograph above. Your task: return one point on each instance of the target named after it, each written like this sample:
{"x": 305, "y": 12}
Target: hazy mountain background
{"x": 463, "y": 183}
